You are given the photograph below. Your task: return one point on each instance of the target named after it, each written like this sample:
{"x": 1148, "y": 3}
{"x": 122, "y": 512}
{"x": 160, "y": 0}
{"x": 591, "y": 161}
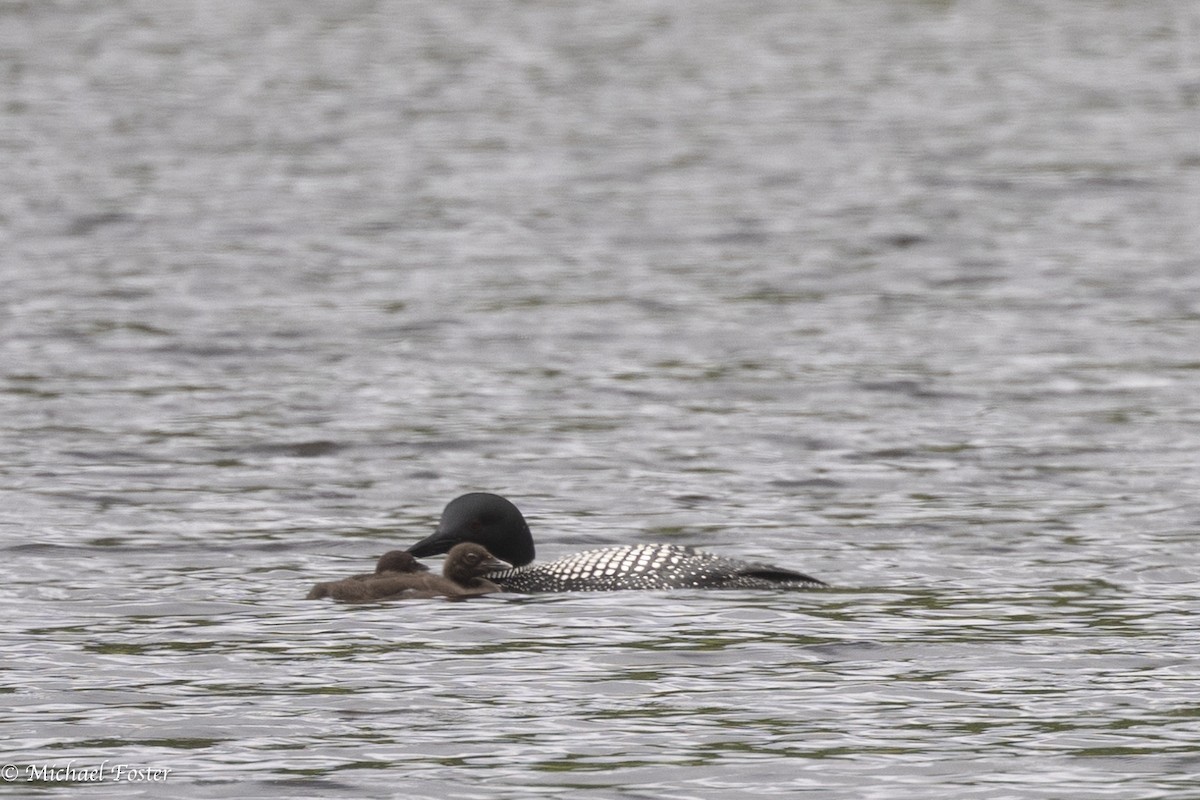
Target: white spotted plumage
{"x": 645, "y": 566}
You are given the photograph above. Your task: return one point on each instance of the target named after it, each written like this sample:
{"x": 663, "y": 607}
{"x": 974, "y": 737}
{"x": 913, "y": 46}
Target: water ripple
{"x": 900, "y": 295}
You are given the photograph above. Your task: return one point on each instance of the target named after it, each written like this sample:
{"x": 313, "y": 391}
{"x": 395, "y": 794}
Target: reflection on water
{"x": 899, "y": 296}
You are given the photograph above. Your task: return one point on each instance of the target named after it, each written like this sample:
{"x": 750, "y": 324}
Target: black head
{"x": 485, "y": 519}
{"x": 399, "y": 561}
{"x": 468, "y": 560}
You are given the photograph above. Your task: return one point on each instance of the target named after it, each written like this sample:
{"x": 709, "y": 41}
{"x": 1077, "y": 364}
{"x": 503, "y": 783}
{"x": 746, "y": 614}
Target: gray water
{"x": 905, "y": 295}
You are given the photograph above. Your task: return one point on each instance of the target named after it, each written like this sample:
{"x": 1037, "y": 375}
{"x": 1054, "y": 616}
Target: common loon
{"x": 370, "y": 585}
{"x": 398, "y": 575}
{"x": 462, "y": 573}
{"x": 497, "y": 524}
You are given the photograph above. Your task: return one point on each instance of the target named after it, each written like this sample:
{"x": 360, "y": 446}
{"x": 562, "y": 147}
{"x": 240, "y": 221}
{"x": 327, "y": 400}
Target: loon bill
{"x": 497, "y": 524}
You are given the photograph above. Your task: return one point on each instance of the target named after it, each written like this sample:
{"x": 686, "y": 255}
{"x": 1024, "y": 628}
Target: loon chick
{"x": 398, "y": 575}
{"x": 371, "y": 585}
{"x": 497, "y": 524}
{"x": 462, "y": 574}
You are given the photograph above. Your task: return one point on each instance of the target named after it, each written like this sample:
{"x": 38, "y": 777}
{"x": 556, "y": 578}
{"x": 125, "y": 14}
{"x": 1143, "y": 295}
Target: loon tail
{"x": 778, "y": 575}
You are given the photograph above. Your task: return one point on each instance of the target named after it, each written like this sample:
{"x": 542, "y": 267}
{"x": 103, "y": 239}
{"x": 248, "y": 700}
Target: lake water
{"x": 903, "y": 295}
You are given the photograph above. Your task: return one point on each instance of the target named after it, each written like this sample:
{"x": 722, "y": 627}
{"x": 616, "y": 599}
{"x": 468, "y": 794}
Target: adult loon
{"x": 398, "y": 575}
{"x": 497, "y": 524}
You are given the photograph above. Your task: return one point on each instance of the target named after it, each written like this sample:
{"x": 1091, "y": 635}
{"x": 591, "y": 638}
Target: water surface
{"x": 902, "y": 295}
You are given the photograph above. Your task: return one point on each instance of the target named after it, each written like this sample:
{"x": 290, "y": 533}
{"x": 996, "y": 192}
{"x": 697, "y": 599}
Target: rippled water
{"x": 903, "y": 295}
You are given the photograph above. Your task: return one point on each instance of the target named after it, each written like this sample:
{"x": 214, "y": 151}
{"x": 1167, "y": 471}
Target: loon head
{"x": 485, "y": 519}
{"x": 399, "y": 561}
{"x": 468, "y": 561}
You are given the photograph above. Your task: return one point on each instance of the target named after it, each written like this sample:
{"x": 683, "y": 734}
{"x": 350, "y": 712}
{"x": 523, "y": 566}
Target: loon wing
{"x": 658, "y": 566}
